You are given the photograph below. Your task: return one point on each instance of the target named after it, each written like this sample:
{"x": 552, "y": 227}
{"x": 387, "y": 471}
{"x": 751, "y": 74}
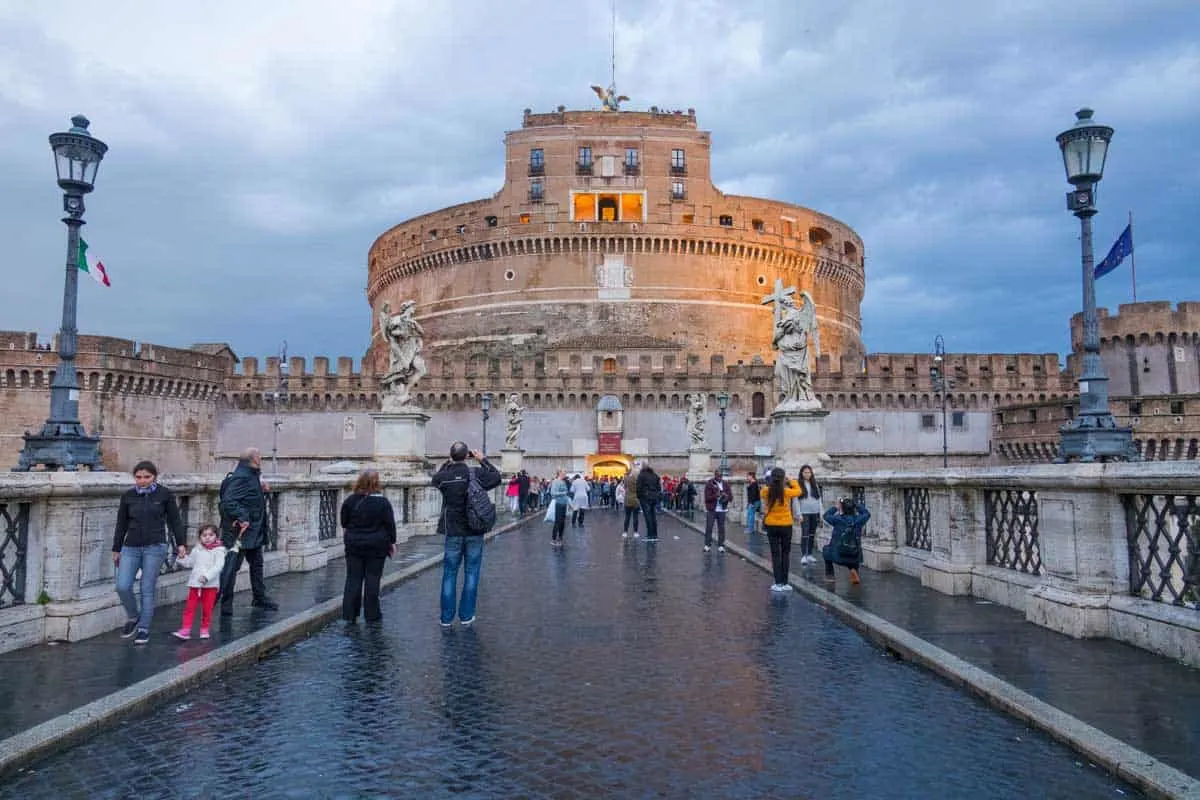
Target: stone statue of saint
{"x": 513, "y": 413}
{"x": 796, "y": 342}
{"x": 696, "y": 419}
{"x": 404, "y": 336}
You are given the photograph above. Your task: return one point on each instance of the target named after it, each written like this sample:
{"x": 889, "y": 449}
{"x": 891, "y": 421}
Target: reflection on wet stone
{"x": 610, "y": 668}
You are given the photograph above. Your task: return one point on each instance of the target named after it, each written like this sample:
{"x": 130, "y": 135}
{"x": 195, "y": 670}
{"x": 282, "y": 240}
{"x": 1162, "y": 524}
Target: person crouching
{"x": 847, "y": 519}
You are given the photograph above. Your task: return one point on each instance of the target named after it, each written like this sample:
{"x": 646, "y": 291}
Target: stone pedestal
{"x": 800, "y": 438}
{"x": 699, "y": 464}
{"x": 400, "y": 440}
{"x": 511, "y": 460}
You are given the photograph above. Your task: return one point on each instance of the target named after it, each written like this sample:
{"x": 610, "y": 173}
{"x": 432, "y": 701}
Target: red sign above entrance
{"x": 609, "y": 443}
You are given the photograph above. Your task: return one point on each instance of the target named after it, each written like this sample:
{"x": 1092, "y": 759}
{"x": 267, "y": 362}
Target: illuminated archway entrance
{"x": 609, "y": 465}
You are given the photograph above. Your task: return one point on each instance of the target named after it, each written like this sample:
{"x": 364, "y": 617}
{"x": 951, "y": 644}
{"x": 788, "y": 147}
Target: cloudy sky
{"x": 256, "y": 149}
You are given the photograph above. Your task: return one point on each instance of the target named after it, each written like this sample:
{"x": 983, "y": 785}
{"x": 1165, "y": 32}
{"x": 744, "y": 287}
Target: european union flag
{"x": 1121, "y": 248}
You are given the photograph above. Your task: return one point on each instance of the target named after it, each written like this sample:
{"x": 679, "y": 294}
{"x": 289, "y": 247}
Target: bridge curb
{"x": 74, "y": 727}
{"x": 1146, "y": 773}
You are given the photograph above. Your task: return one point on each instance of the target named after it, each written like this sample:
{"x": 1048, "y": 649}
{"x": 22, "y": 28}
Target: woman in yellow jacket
{"x": 777, "y": 501}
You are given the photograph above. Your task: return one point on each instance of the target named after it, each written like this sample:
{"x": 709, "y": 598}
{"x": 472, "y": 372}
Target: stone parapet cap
{"x": 1177, "y": 477}
{"x": 35, "y": 486}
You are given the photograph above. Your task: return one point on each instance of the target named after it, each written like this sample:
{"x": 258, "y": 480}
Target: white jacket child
{"x": 206, "y": 566}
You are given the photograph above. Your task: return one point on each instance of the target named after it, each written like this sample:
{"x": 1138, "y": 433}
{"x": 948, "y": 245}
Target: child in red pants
{"x": 206, "y": 560}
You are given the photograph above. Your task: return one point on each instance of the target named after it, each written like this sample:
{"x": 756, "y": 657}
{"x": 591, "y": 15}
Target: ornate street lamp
{"x": 1093, "y": 433}
{"x": 722, "y": 405}
{"x": 937, "y": 378}
{"x": 63, "y": 443}
{"x": 485, "y": 405}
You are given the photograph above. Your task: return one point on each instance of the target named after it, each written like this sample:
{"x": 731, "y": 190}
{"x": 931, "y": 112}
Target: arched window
{"x": 758, "y": 405}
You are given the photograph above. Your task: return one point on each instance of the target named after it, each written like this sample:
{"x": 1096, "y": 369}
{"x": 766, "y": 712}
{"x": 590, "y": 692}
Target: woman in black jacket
{"x": 370, "y": 538}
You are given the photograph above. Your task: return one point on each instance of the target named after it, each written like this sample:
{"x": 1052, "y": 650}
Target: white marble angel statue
{"x": 405, "y": 337}
{"x": 696, "y": 419}
{"x": 514, "y": 414}
{"x": 796, "y": 341}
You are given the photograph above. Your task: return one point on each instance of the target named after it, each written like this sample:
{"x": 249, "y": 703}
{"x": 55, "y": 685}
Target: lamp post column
{"x": 722, "y": 406}
{"x": 484, "y": 406}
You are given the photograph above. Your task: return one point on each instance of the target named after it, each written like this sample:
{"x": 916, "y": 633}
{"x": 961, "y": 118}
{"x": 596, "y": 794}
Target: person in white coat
{"x": 579, "y": 499}
{"x": 206, "y": 560}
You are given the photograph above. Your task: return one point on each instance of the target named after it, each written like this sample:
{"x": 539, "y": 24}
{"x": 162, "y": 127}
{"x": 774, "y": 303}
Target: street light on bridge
{"x": 63, "y": 443}
{"x": 485, "y": 405}
{"x": 1093, "y": 433}
{"x": 722, "y": 405}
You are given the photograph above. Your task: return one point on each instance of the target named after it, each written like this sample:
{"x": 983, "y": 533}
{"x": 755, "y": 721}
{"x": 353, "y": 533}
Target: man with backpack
{"x": 467, "y": 514}
{"x": 845, "y": 544}
{"x": 243, "y": 506}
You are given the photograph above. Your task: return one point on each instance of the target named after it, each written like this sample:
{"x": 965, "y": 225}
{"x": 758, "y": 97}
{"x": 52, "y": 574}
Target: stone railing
{"x": 56, "y": 570}
{"x": 1088, "y": 550}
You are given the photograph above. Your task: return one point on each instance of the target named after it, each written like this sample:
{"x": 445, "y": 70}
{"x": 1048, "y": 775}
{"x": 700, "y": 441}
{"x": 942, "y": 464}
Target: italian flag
{"x": 92, "y": 265}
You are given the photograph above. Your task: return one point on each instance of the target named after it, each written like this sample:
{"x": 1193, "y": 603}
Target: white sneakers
{"x": 808, "y": 559}
{"x": 781, "y": 587}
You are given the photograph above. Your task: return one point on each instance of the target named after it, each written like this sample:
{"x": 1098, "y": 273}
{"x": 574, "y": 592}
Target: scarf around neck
{"x": 147, "y": 490}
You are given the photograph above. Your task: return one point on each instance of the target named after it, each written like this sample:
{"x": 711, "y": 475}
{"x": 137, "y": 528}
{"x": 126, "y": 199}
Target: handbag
{"x": 549, "y": 512}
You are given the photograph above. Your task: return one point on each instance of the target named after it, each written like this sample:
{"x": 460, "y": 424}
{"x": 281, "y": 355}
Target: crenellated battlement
{"x": 1142, "y": 323}
{"x": 113, "y": 365}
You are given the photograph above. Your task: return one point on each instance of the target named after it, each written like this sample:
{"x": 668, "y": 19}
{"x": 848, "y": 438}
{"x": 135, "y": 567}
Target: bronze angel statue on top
{"x": 609, "y": 98}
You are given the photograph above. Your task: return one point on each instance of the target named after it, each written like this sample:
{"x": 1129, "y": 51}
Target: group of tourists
{"x": 149, "y": 531}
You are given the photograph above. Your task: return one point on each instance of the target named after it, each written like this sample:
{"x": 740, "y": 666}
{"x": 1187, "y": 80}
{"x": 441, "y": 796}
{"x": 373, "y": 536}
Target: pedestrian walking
{"x": 148, "y": 521}
{"x": 580, "y": 491}
{"x": 560, "y": 494}
{"x": 753, "y": 502}
{"x": 464, "y": 547}
{"x": 808, "y": 505}
{"x": 845, "y": 543}
{"x": 649, "y": 495}
{"x": 513, "y": 493}
{"x": 629, "y": 502}
{"x": 204, "y": 581}
{"x": 777, "y": 500}
{"x": 243, "y": 504}
{"x": 369, "y": 534}
{"x": 717, "y": 497}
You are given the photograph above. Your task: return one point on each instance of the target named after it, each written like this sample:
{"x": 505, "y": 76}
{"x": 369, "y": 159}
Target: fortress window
{"x": 820, "y": 237}
{"x": 1135, "y": 408}
{"x": 536, "y": 190}
{"x": 632, "y": 166}
{"x": 927, "y": 422}
{"x": 631, "y": 208}
{"x": 585, "y": 158}
{"x": 610, "y": 368}
{"x": 584, "y": 208}
{"x": 678, "y": 162}
{"x": 433, "y": 233}
{"x": 461, "y": 229}
{"x": 608, "y": 208}
{"x": 849, "y": 250}
{"x": 958, "y": 419}
{"x": 537, "y": 161}
{"x": 726, "y": 220}
{"x": 688, "y": 219}
{"x": 1177, "y": 408}
{"x": 758, "y": 405}
{"x": 491, "y": 221}
{"x": 787, "y": 227}
{"x": 525, "y": 218}
{"x": 678, "y": 191}
{"x": 758, "y": 225}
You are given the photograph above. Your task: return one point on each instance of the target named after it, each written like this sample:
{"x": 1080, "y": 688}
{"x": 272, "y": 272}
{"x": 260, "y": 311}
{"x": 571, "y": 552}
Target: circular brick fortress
{"x": 608, "y": 228}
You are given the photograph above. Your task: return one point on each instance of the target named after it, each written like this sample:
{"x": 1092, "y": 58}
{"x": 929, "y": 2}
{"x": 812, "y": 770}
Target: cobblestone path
{"x": 612, "y": 668}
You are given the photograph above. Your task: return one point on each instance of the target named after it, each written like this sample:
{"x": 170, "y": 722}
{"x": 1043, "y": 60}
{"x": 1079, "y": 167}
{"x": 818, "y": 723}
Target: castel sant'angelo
{"x": 605, "y": 281}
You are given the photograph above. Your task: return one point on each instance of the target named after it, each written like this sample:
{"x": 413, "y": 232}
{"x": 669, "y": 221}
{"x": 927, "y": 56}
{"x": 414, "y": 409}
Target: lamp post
{"x": 63, "y": 443}
{"x": 280, "y": 394}
{"x": 722, "y": 405}
{"x": 485, "y": 405}
{"x": 1093, "y": 433}
{"x": 937, "y": 378}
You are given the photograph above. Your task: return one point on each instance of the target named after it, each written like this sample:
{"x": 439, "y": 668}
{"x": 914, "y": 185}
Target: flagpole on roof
{"x": 1132, "y": 259}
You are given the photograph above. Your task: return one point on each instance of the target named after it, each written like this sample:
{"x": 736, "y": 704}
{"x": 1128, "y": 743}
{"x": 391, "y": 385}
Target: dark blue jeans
{"x": 650, "y": 510}
{"x": 458, "y": 550}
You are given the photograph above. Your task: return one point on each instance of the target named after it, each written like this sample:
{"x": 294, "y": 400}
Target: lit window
{"x": 608, "y": 207}
{"x": 585, "y": 208}
{"x": 631, "y": 208}
{"x": 525, "y": 219}
{"x": 688, "y": 219}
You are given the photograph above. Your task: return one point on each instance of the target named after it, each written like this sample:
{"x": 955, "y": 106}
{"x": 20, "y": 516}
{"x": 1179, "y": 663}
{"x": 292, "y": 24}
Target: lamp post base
{"x": 1088, "y": 439}
{"x": 60, "y": 446}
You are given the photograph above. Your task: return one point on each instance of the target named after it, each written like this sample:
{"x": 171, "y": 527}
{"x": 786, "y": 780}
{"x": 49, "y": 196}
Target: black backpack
{"x": 849, "y": 547}
{"x": 481, "y": 511}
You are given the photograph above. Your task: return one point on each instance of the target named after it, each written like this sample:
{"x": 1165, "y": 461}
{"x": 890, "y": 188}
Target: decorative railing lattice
{"x": 1011, "y": 530}
{"x": 916, "y": 518}
{"x": 327, "y": 515}
{"x": 1163, "y": 534}
{"x": 14, "y": 544}
{"x": 272, "y": 522}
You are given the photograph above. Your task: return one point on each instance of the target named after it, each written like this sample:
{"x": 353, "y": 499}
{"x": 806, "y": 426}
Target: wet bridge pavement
{"x": 611, "y": 668}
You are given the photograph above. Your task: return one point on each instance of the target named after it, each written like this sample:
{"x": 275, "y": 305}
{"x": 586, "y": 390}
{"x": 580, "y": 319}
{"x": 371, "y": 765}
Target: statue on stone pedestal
{"x": 696, "y": 419}
{"x": 404, "y": 336}
{"x": 514, "y": 413}
{"x": 796, "y": 341}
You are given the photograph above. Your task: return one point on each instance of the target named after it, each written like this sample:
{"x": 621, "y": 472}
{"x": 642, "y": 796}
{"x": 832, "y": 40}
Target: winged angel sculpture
{"x": 609, "y": 98}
